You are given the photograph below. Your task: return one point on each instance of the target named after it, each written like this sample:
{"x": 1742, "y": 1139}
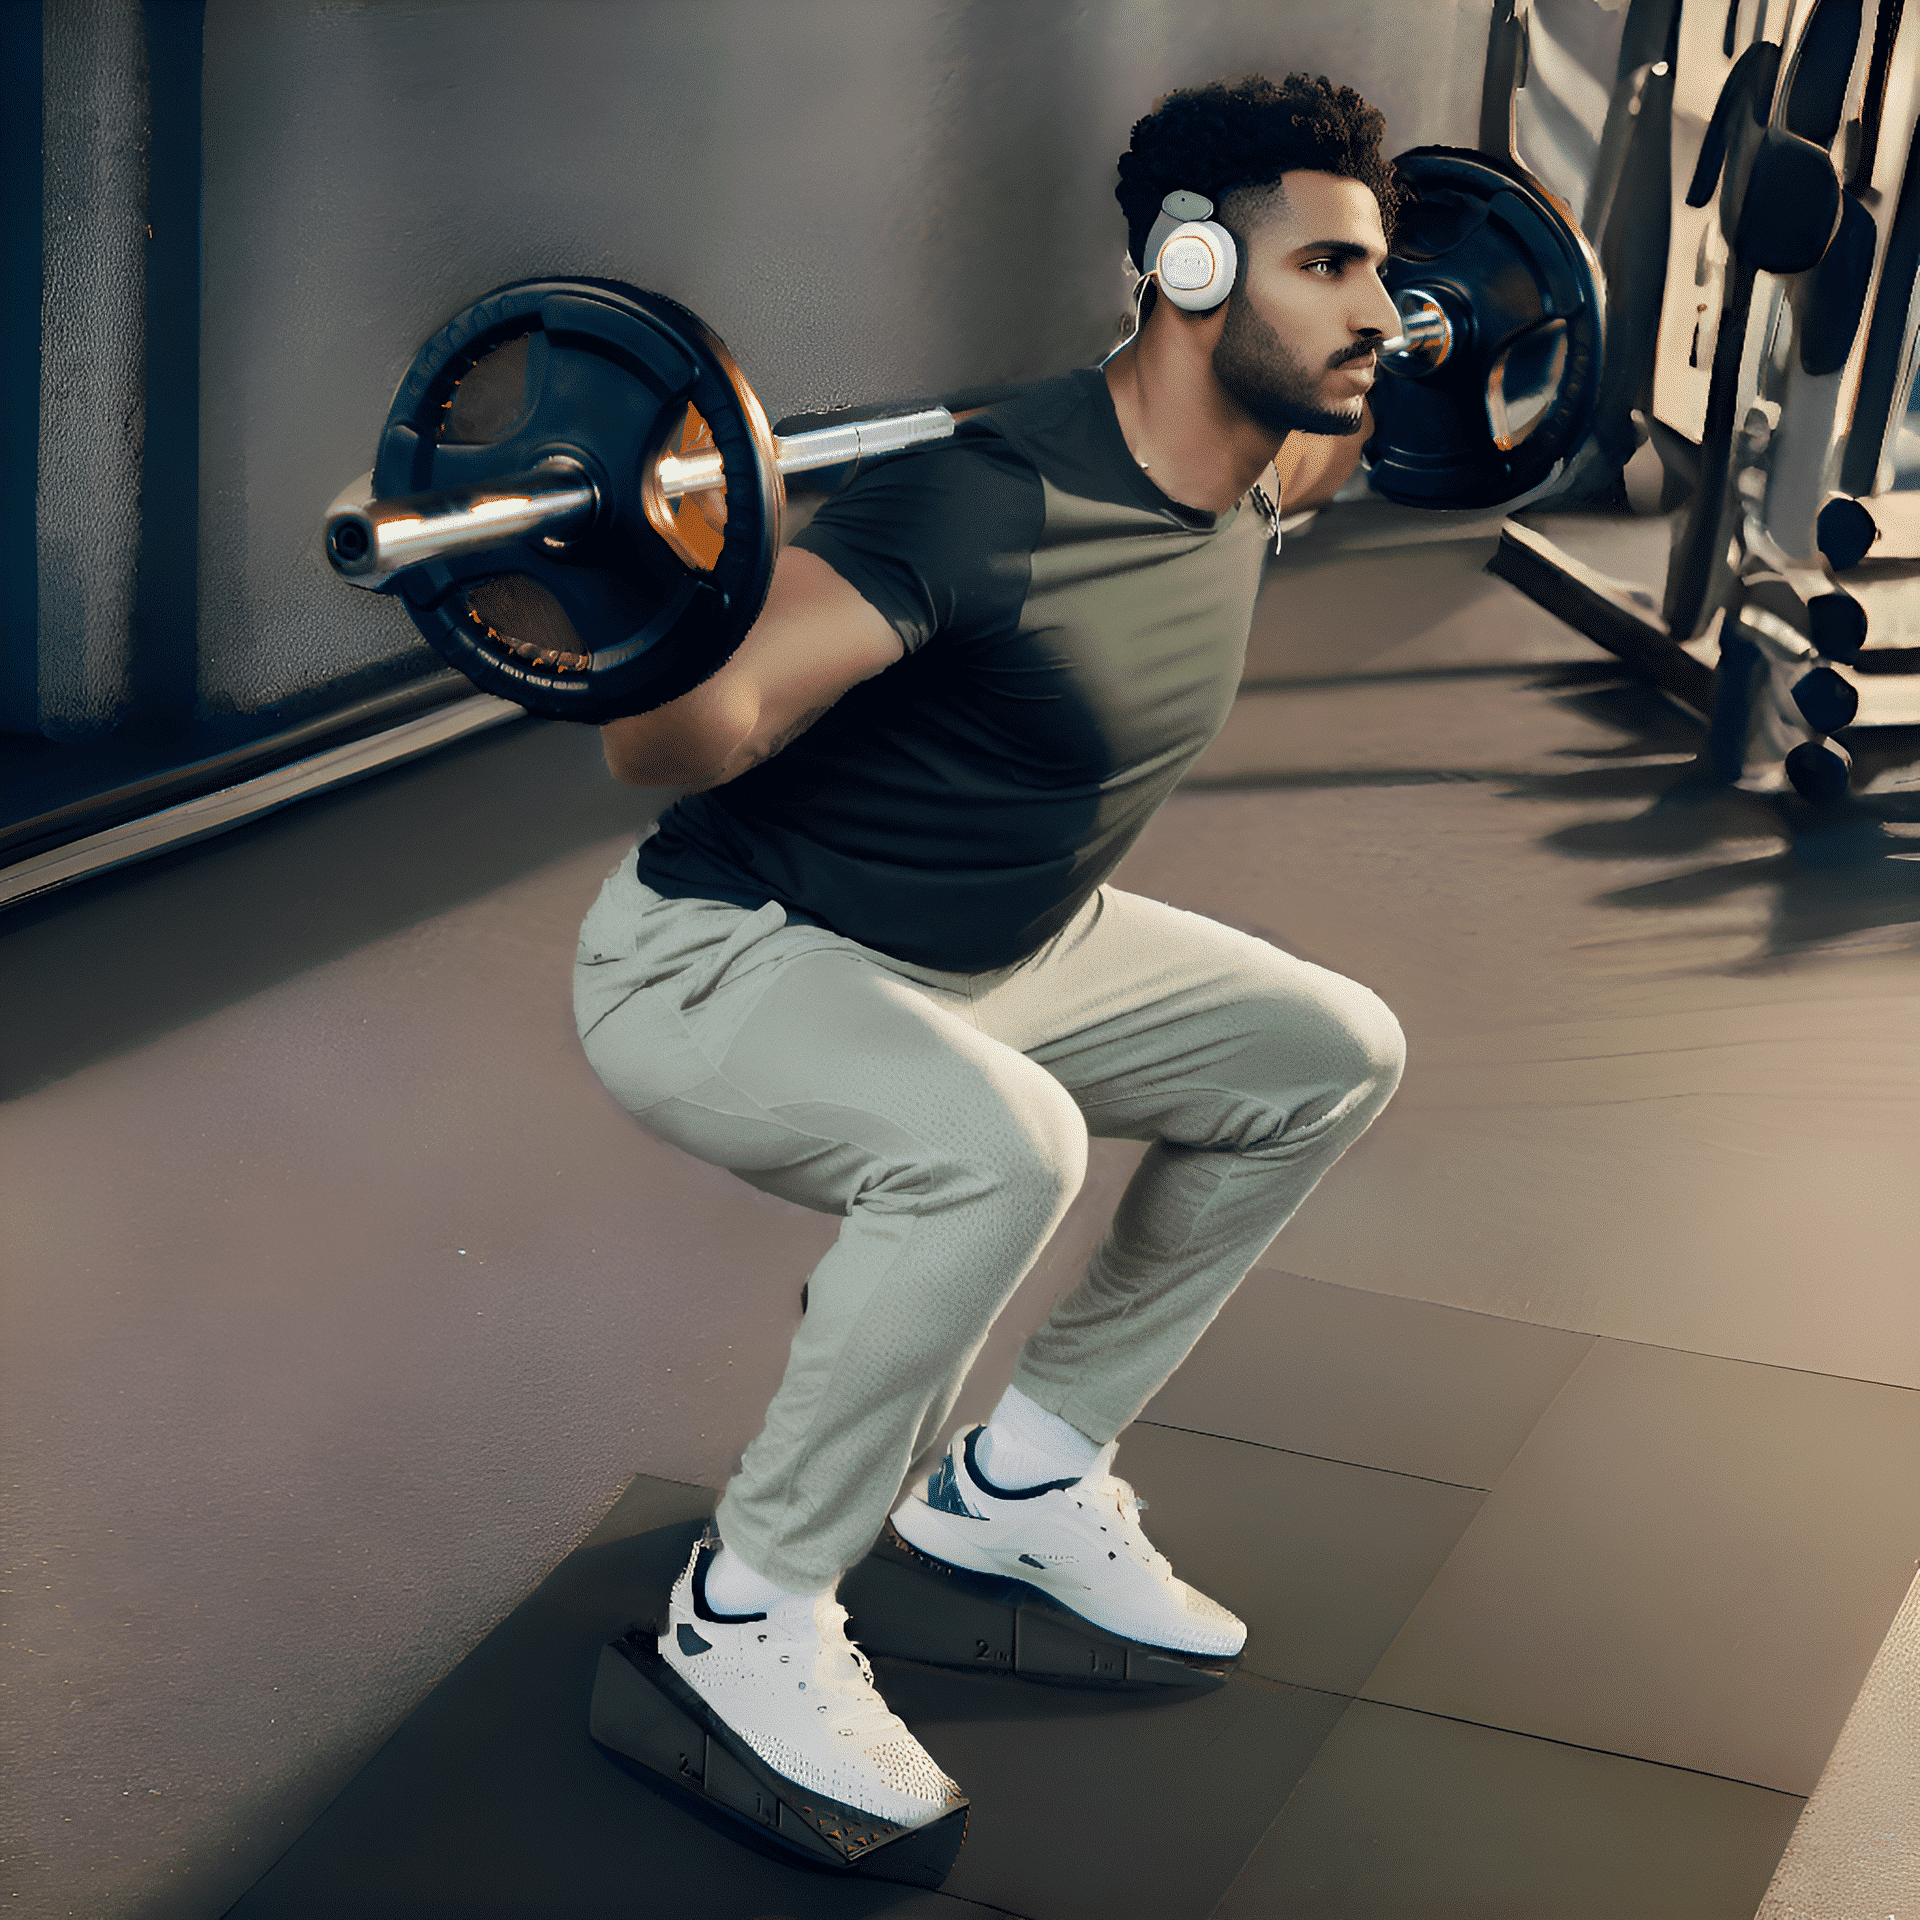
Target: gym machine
{"x": 1786, "y": 339}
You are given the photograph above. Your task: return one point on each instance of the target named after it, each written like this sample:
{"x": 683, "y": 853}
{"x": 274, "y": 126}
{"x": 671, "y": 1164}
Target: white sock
{"x": 1026, "y": 1446}
{"x": 734, "y": 1587}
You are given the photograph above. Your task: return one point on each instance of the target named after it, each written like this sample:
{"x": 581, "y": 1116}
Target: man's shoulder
{"x": 1042, "y": 411}
{"x": 983, "y": 488}
{"x": 1017, "y": 432}
{"x": 1067, "y": 432}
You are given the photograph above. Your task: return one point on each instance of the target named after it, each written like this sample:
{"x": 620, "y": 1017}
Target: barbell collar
{"x": 1425, "y": 337}
{"x": 369, "y": 542}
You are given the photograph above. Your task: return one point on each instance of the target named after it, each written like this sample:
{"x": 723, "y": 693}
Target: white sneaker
{"x": 793, "y": 1687}
{"x": 1078, "y": 1541}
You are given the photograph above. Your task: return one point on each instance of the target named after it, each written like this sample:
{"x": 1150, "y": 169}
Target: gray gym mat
{"x": 1405, "y": 1814}
{"x": 1692, "y": 1560}
{"x": 1110, "y": 1807}
{"x": 1372, "y": 1378}
{"x": 1322, "y": 1560}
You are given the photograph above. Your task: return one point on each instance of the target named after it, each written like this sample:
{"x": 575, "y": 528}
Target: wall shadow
{"x": 120, "y": 959}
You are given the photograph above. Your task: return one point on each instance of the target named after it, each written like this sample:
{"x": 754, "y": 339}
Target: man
{"x": 870, "y": 962}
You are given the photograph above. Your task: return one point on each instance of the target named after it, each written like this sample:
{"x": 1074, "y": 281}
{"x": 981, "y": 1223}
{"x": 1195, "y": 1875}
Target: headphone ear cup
{"x": 1194, "y": 262}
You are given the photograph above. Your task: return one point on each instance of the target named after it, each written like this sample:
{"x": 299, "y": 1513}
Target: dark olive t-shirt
{"x": 1074, "y": 639}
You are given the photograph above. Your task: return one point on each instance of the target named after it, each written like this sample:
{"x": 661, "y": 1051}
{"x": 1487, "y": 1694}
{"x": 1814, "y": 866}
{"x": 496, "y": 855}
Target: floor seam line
{"x": 1577, "y": 1746}
{"x": 1299, "y": 1453}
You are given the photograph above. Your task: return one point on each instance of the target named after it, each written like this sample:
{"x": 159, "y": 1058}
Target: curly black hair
{"x": 1231, "y": 135}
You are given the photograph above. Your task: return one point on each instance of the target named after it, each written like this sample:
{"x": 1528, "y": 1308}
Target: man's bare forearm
{"x": 666, "y": 771}
{"x": 687, "y": 743}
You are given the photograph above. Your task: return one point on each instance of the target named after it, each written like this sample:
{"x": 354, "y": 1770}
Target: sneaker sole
{"x": 649, "y": 1720}
{"x": 943, "y": 1541}
{"x": 911, "y": 1605}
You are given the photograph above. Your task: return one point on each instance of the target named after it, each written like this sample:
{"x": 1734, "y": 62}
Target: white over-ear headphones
{"x": 1191, "y": 256}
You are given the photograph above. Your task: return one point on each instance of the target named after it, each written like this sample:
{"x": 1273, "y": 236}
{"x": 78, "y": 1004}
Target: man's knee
{"x": 1018, "y": 1145}
{"x": 1051, "y": 1135}
{"x": 1362, "y": 1031}
{"x": 1324, "y": 1051}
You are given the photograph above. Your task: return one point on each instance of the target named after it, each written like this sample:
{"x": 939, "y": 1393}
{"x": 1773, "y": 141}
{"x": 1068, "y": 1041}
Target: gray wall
{"x": 865, "y": 198}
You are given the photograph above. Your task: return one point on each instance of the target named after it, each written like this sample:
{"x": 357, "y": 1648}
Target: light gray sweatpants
{"x": 946, "y": 1116}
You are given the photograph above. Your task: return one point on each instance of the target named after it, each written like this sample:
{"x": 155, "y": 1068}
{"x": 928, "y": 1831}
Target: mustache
{"x": 1360, "y": 350}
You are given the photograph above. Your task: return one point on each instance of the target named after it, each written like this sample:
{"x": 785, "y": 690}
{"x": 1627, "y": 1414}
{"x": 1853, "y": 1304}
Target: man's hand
{"x": 815, "y": 638}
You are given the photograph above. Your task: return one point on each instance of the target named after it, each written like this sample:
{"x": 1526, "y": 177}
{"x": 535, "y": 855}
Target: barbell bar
{"x": 368, "y": 541}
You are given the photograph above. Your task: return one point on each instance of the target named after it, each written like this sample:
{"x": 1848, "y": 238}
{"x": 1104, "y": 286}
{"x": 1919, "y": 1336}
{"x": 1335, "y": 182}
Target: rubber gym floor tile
{"x": 1692, "y": 1560}
{"x": 1609, "y": 1154}
{"x": 1090, "y": 1806}
{"x": 1404, "y": 1814}
{"x": 490, "y": 1802}
{"x": 1322, "y": 1560}
{"x": 1372, "y": 1378}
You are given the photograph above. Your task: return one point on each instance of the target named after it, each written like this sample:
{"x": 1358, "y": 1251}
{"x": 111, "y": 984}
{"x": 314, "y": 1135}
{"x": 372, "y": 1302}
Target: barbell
{"x": 535, "y": 496}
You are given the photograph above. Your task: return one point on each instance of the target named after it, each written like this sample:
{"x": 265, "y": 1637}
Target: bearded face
{"x": 1275, "y": 385}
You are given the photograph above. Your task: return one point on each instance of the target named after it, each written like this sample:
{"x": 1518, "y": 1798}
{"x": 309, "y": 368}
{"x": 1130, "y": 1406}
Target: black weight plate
{"x": 1789, "y": 205}
{"x": 1518, "y": 280}
{"x": 615, "y": 622}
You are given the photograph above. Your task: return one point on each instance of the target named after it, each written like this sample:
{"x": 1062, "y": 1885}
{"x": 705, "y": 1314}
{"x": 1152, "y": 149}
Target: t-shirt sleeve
{"x": 940, "y": 539}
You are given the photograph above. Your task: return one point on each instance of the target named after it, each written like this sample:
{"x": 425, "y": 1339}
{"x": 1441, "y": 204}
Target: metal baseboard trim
{"x": 211, "y": 813}
{"x": 136, "y": 799}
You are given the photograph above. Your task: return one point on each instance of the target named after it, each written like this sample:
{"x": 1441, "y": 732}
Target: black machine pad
{"x": 908, "y": 1606}
{"x": 650, "y": 1720}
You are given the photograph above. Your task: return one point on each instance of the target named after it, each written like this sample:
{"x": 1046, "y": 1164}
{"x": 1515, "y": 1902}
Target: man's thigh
{"x": 803, "y": 1062}
{"x": 1165, "y": 1024}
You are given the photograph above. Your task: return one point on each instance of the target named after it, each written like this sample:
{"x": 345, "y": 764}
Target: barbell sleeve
{"x": 1425, "y": 338}
{"x": 379, "y": 537}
